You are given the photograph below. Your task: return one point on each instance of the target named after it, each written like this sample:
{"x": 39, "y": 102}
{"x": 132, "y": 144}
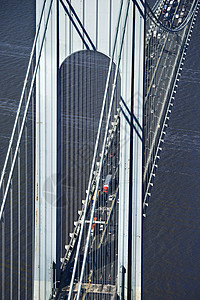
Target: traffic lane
{"x": 150, "y": 62}
{"x": 153, "y": 120}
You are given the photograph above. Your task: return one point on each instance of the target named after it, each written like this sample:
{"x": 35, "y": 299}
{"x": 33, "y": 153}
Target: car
{"x": 180, "y": 20}
{"x": 154, "y": 33}
{"x": 110, "y": 198}
{"x": 167, "y": 16}
{"x": 175, "y": 4}
{"x": 159, "y": 36}
{"x": 107, "y": 183}
{"x": 93, "y": 225}
{"x": 164, "y": 8}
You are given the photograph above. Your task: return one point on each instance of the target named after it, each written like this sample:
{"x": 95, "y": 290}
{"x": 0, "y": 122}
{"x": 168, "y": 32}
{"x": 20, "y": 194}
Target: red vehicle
{"x": 107, "y": 183}
{"x": 164, "y": 9}
{"x": 93, "y": 225}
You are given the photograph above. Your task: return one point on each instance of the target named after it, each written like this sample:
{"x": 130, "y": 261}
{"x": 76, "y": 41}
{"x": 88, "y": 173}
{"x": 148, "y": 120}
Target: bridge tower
{"x": 46, "y": 150}
{"x": 116, "y": 29}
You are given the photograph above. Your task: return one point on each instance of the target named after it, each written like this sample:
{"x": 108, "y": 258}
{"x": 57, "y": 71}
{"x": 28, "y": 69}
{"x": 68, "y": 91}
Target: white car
{"x": 180, "y": 20}
{"x": 110, "y": 198}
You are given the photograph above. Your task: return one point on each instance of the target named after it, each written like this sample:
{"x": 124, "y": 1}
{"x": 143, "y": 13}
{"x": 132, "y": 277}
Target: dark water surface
{"x": 17, "y": 29}
{"x": 171, "y": 230}
{"x": 171, "y": 245}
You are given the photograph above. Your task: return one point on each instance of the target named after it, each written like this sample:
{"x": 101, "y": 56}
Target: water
{"x": 17, "y": 27}
{"x": 171, "y": 229}
{"x": 17, "y": 19}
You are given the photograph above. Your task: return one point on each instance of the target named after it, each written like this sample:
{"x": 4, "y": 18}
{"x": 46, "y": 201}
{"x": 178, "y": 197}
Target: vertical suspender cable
{"x": 130, "y": 196}
{"x": 26, "y": 207}
{"x": 33, "y": 183}
{"x": 11, "y": 234}
{"x": 3, "y": 255}
{"x": 18, "y": 214}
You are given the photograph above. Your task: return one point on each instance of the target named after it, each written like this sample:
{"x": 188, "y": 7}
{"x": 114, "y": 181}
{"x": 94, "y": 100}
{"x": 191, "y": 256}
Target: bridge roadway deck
{"x": 163, "y": 54}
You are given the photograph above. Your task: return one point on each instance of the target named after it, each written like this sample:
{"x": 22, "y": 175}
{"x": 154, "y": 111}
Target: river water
{"x": 171, "y": 230}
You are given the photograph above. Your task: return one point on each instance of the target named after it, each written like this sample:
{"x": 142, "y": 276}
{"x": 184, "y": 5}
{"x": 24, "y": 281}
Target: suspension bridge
{"x": 85, "y": 145}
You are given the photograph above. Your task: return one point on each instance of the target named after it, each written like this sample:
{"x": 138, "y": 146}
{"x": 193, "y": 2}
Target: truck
{"x": 107, "y": 183}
